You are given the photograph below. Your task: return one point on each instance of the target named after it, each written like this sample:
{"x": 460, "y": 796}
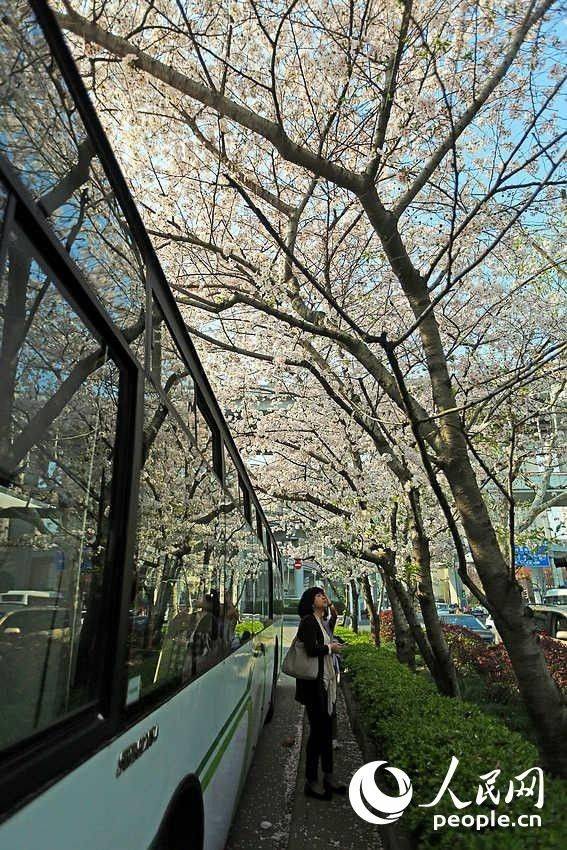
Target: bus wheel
{"x": 183, "y": 825}
{"x": 272, "y": 706}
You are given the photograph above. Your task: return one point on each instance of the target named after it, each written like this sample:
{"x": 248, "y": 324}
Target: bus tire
{"x": 183, "y": 824}
{"x": 272, "y": 706}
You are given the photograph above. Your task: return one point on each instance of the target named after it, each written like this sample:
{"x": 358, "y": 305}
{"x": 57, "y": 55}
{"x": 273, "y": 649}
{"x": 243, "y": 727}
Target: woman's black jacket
{"x": 311, "y": 691}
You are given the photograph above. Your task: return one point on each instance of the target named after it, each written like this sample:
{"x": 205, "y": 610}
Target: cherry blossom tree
{"x": 366, "y": 182}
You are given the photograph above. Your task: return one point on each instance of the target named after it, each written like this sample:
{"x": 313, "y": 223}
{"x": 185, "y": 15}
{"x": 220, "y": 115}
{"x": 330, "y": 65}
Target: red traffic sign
{"x": 297, "y": 564}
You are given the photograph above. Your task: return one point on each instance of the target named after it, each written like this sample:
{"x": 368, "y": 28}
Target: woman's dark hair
{"x": 306, "y": 602}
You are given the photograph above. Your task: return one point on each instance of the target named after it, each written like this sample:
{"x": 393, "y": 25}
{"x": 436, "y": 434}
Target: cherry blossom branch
{"x": 390, "y": 83}
{"x": 531, "y": 17}
{"x": 264, "y": 127}
{"x": 253, "y": 186}
{"x": 481, "y": 257}
{"x": 293, "y": 259}
{"x": 308, "y": 498}
{"x": 432, "y": 477}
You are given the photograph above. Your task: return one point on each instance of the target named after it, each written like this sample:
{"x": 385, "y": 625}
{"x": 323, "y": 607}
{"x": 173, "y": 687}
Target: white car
{"x": 30, "y": 597}
{"x": 555, "y": 596}
{"x": 551, "y": 620}
{"x": 489, "y": 623}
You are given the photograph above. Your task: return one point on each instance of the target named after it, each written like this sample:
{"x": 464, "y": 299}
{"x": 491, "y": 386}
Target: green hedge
{"x": 418, "y": 731}
{"x": 252, "y": 626}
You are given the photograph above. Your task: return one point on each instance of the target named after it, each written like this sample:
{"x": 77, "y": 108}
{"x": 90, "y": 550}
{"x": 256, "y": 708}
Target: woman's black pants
{"x": 320, "y": 741}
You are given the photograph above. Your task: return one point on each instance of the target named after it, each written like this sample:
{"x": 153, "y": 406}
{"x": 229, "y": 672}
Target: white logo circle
{"x": 363, "y": 791}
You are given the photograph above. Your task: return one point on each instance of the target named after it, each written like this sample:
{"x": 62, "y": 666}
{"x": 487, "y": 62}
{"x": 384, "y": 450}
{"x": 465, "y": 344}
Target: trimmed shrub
{"x": 556, "y": 656}
{"x": 386, "y": 626}
{"x": 419, "y": 731}
{"x": 492, "y": 662}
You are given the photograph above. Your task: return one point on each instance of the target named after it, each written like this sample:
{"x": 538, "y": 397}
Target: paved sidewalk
{"x": 264, "y": 814}
{"x": 273, "y": 811}
{"x": 317, "y": 824}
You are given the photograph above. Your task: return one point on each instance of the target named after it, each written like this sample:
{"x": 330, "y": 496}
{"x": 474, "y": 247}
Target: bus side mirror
{"x": 561, "y": 635}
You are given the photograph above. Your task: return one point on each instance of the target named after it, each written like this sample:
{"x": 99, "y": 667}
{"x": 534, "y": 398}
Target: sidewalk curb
{"x": 393, "y": 837}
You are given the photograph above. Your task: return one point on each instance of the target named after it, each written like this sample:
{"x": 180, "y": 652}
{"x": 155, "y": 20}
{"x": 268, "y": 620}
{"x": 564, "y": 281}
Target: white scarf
{"x": 329, "y": 676}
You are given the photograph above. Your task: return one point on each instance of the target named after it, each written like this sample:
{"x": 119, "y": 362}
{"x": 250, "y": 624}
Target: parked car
{"x": 443, "y": 608}
{"x": 25, "y": 621}
{"x": 467, "y": 621}
{"x": 489, "y": 624}
{"x": 555, "y": 596}
{"x": 480, "y": 613}
{"x": 550, "y": 619}
{"x": 18, "y": 598}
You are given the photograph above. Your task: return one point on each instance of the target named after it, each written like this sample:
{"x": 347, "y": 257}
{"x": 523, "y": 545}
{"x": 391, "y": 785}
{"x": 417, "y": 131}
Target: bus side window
{"x": 264, "y": 588}
{"x": 278, "y": 591}
{"x": 182, "y": 621}
{"x": 59, "y": 403}
{"x": 239, "y": 581}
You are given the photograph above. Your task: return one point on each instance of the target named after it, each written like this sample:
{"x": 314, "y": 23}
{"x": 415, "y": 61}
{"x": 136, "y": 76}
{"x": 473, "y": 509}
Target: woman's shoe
{"x": 311, "y": 791}
{"x": 334, "y": 787}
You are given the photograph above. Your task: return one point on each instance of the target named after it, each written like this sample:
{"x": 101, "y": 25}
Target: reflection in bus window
{"x": 240, "y": 575}
{"x": 181, "y": 624}
{"x": 169, "y": 371}
{"x": 254, "y": 577}
{"x": 231, "y": 476}
{"x": 203, "y": 435}
{"x": 57, "y": 420}
{"x": 263, "y": 585}
{"x": 3, "y": 201}
{"x": 44, "y": 138}
{"x": 278, "y": 590}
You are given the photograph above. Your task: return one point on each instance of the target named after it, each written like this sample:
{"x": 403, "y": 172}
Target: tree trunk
{"x": 401, "y": 601}
{"x": 373, "y": 614}
{"x": 13, "y": 338}
{"x": 544, "y": 702}
{"x": 445, "y": 672}
{"x": 354, "y": 605}
{"x": 403, "y": 637}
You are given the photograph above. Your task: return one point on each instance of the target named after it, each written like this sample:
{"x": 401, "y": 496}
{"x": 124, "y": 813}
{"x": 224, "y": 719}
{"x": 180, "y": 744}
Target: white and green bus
{"x": 140, "y": 582}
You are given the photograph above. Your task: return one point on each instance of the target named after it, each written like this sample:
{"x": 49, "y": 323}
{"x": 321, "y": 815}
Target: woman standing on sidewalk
{"x": 318, "y": 695}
